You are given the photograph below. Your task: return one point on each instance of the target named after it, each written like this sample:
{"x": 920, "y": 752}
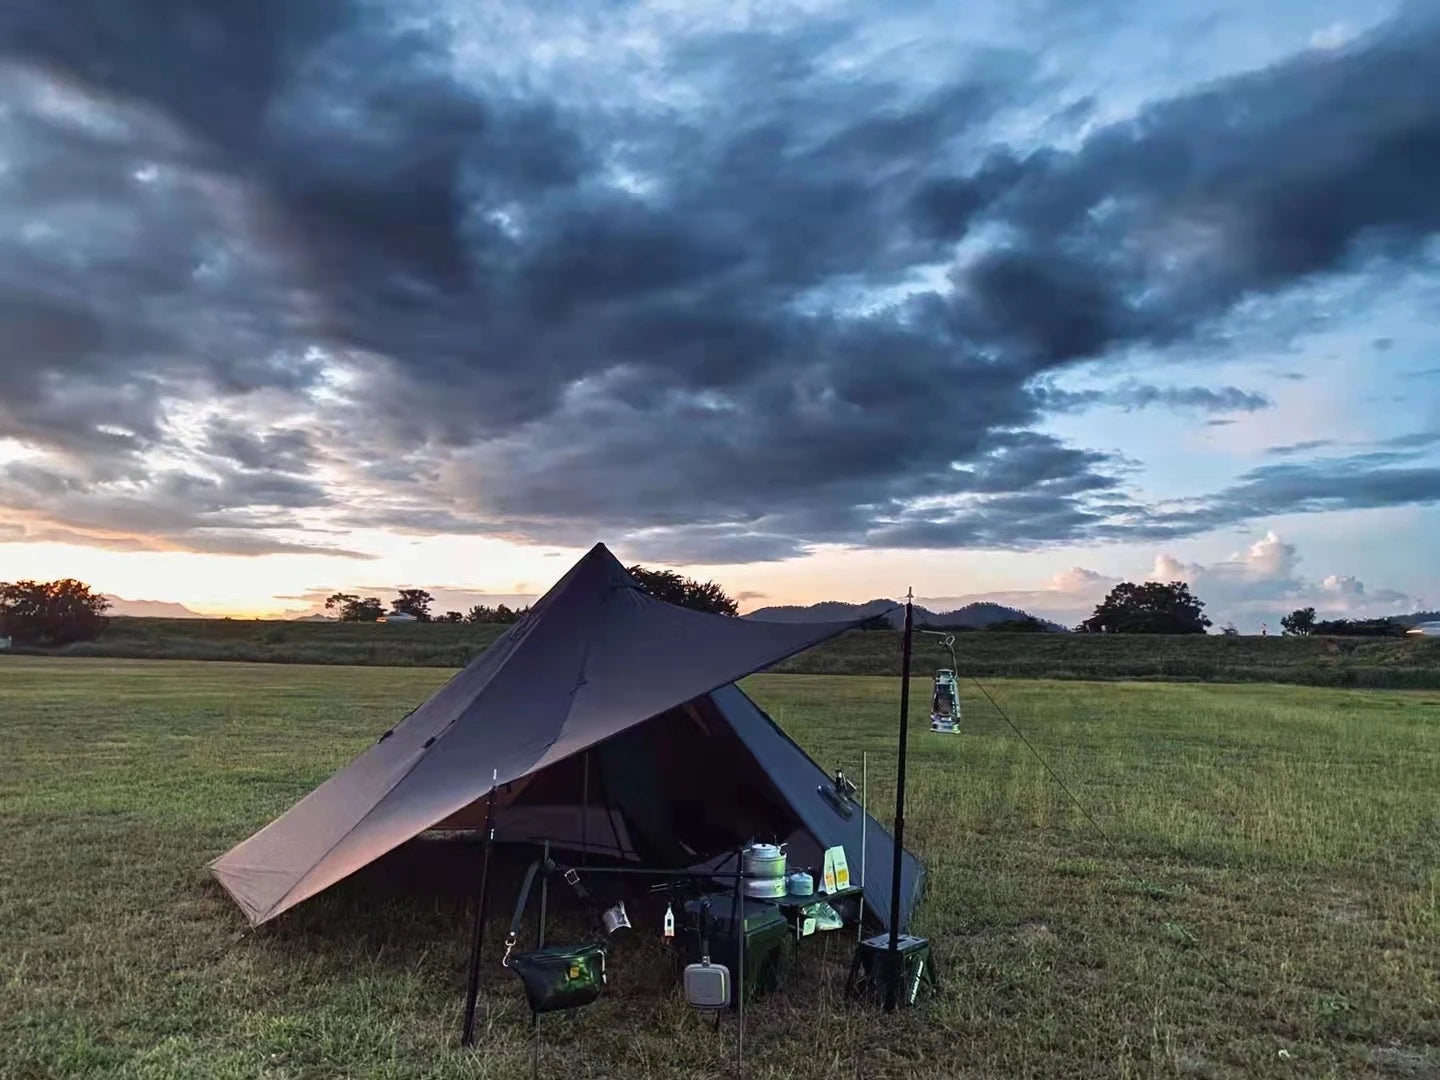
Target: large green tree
{"x": 675, "y": 588}
{"x": 51, "y": 612}
{"x": 414, "y": 602}
{"x": 351, "y": 608}
{"x": 1299, "y": 622}
{"x": 1151, "y": 608}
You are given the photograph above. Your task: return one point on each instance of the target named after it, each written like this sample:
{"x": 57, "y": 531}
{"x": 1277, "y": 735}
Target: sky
{"x": 821, "y": 300}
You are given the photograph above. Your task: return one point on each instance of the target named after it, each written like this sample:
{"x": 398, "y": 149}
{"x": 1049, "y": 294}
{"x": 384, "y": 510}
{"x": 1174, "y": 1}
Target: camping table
{"x": 849, "y": 904}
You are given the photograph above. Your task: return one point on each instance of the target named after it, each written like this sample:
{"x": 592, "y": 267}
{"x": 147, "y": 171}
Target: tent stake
{"x": 477, "y": 939}
{"x": 892, "y": 980}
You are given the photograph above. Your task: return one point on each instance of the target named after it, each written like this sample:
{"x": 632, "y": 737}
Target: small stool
{"x": 871, "y": 968}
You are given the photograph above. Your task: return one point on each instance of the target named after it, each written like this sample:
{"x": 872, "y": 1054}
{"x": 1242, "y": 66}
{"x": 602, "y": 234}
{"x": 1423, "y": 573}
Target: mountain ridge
{"x": 978, "y": 614}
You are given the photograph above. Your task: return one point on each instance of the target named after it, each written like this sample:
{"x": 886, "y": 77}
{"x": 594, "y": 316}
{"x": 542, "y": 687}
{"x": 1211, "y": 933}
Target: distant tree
{"x": 1359, "y": 628}
{"x": 351, "y": 608}
{"x": 1299, "y": 622}
{"x": 481, "y": 613}
{"x": 51, "y": 612}
{"x": 414, "y": 602}
{"x": 1228, "y": 630}
{"x": 876, "y": 622}
{"x": 451, "y": 616}
{"x": 674, "y": 588}
{"x": 1151, "y": 608}
{"x": 367, "y": 610}
{"x": 1028, "y": 625}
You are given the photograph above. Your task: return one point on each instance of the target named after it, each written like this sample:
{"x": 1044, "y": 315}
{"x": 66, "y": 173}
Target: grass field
{"x": 1390, "y": 663}
{"x": 1268, "y": 903}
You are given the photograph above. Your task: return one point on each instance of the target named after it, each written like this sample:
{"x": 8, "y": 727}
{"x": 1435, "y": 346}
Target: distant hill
{"x": 149, "y": 609}
{"x": 977, "y": 614}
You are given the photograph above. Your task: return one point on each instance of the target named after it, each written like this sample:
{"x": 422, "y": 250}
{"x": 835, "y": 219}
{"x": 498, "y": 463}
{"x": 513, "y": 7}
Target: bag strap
{"x": 547, "y": 866}
{"x": 523, "y": 897}
{"x": 514, "y": 934}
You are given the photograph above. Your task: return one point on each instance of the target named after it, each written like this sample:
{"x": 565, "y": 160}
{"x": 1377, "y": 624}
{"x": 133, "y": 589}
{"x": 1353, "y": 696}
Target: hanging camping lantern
{"x": 945, "y": 703}
{"x": 945, "y": 695}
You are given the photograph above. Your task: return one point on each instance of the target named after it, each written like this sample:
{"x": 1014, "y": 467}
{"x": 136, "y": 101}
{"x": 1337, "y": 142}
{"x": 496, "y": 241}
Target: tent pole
{"x": 892, "y": 980}
{"x": 585, "y": 810}
{"x": 740, "y": 964}
{"x": 540, "y": 944}
{"x": 864, "y": 820}
{"x": 544, "y": 893}
{"x": 477, "y": 939}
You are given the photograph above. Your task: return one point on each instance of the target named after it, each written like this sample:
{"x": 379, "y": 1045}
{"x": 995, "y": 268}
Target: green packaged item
{"x": 825, "y": 916}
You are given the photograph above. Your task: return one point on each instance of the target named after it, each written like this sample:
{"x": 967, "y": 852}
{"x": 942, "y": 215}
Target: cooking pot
{"x": 764, "y": 861}
{"x": 767, "y": 888}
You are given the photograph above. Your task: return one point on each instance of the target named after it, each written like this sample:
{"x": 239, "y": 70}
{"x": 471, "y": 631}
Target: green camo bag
{"x": 562, "y": 977}
{"x": 558, "y": 977}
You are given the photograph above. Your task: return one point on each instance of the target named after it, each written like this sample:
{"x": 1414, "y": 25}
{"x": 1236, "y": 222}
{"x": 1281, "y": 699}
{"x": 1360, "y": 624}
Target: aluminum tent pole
{"x": 477, "y": 939}
{"x": 740, "y": 964}
{"x": 864, "y": 820}
{"x": 892, "y": 981}
{"x": 585, "y": 810}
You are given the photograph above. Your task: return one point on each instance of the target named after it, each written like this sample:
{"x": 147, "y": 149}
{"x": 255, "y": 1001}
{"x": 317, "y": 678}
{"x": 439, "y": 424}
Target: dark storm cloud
{"x": 1157, "y": 224}
{"x": 1134, "y": 395}
{"x": 557, "y": 321}
{"x": 282, "y": 450}
{"x": 1300, "y": 447}
{"x": 236, "y": 512}
{"x": 1357, "y": 482}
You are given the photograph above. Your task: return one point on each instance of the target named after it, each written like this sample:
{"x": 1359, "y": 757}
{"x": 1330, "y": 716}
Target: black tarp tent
{"x": 609, "y": 723}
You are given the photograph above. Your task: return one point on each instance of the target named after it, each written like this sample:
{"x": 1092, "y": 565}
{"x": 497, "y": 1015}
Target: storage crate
{"x": 768, "y": 940}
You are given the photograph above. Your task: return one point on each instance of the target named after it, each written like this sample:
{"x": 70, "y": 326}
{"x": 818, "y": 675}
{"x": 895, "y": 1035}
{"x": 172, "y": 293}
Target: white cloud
{"x": 1332, "y": 36}
{"x": 1067, "y": 598}
{"x": 1252, "y": 587}
{"x": 1263, "y": 583}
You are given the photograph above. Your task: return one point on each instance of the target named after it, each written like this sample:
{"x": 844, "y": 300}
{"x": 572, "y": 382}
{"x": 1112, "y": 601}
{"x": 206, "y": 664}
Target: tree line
{"x": 1302, "y": 622}
{"x": 1157, "y": 608}
{"x": 664, "y": 585}
{"x": 61, "y": 612}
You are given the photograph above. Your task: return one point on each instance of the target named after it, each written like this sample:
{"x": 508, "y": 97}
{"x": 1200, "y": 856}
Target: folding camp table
{"x": 849, "y": 904}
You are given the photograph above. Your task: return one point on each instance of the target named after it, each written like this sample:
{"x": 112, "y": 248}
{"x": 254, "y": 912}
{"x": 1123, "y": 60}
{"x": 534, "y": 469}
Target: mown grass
{"x": 279, "y": 641}
{"x": 1411, "y": 663}
{"x": 1391, "y": 663}
{"x": 1267, "y": 903}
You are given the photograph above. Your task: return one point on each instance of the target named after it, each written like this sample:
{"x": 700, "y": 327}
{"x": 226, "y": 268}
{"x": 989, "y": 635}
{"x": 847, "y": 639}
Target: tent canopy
{"x": 596, "y": 663}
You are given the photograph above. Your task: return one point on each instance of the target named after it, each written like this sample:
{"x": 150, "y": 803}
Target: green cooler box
{"x": 768, "y": 940}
